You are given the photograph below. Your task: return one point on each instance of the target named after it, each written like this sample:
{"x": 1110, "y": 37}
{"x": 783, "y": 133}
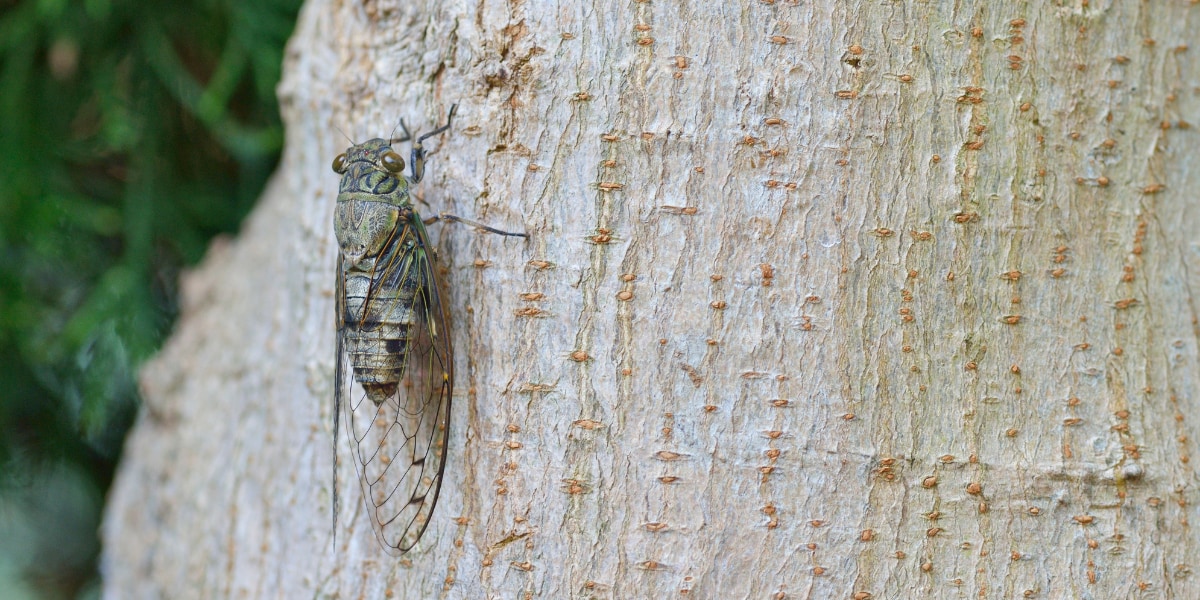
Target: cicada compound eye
{"x": 392, "y": 161}
{"x": 339, "y": 163}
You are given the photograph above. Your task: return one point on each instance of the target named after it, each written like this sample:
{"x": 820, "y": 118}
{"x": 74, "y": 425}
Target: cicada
{"x": 395, "y": 363}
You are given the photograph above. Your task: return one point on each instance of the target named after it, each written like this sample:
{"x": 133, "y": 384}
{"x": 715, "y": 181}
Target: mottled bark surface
{"x": 822, "y": 299}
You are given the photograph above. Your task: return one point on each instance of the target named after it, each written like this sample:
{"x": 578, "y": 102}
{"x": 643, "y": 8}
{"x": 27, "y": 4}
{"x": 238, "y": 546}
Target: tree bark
{"x": 820, "y": 300}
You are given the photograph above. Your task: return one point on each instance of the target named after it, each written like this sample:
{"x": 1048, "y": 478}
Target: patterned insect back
{"x": 395, "y": 372}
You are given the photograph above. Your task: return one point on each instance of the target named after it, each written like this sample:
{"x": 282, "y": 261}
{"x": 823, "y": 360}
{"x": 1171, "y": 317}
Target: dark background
{"x": 131, "y": 133}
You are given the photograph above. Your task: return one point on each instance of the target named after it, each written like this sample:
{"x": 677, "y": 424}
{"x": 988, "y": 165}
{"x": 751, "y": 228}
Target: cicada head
{"x": 372, "y": 171}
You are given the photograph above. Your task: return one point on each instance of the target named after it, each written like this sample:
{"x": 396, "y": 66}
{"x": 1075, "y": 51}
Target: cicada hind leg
{"x": 457, "y": 219}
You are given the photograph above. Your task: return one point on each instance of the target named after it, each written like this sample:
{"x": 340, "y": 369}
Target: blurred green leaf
{"x": 131, "y": 133}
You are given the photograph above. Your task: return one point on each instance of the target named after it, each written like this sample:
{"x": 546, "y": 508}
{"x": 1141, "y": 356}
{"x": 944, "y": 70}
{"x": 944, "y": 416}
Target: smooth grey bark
{"x": 821, "y": 300}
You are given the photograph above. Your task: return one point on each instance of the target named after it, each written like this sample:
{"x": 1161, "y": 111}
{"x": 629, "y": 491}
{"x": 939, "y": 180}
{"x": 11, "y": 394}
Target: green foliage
{"x": 131, "y": 132}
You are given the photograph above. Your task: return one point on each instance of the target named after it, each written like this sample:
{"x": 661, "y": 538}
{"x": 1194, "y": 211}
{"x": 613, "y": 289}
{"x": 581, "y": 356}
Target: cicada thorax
{"x": 372, "y": 203}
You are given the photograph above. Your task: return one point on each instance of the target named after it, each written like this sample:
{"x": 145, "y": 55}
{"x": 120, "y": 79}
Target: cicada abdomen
{"x": 395, "y": 371}
{"x": 382, "y": 320}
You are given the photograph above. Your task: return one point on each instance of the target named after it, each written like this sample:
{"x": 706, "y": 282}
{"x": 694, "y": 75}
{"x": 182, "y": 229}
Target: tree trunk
{"x": 820, "y": 300}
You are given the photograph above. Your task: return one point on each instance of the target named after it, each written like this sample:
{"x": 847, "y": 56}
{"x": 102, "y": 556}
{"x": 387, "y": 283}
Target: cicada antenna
{"x": 339, "y": 130}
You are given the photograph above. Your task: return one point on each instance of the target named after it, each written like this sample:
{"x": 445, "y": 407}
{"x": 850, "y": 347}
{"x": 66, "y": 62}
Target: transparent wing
{"x": 398, "y": 436}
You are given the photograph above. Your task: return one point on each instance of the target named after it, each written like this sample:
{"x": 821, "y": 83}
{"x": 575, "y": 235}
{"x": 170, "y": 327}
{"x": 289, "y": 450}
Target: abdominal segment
{"x": 378, "y": 326}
